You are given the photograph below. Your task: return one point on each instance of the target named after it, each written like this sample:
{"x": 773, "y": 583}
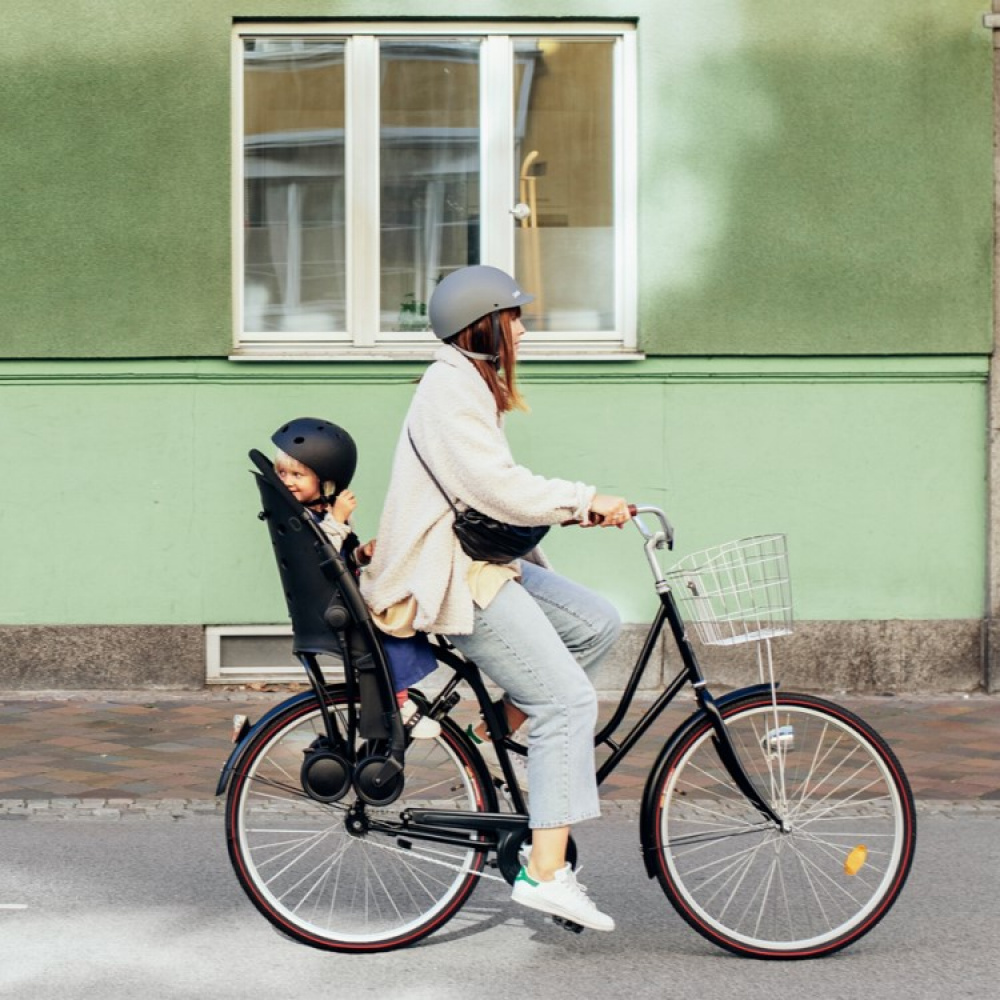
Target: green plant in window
{"x": 412, "y": 314}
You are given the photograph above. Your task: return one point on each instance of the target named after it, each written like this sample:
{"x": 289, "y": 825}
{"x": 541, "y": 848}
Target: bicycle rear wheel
{"x": 344, "y": 876}
{"x": 802, "y": 892}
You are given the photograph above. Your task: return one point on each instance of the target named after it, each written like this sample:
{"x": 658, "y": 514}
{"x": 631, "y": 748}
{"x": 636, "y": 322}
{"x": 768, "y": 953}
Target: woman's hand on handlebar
{"x": 608, "y": 511}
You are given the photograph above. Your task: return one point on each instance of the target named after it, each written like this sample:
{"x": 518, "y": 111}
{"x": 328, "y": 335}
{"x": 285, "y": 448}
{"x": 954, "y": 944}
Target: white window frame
{"x": 364, "y": 340}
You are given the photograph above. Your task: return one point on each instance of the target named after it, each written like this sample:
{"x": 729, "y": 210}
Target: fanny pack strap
{"x": 427, "y": 469}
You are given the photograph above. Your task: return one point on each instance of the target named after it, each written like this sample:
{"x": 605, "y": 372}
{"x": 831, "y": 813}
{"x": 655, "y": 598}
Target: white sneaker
{"x": 488, "y": 752}
{"x": 562, "y": 897}
{"x": 424, "y": 728}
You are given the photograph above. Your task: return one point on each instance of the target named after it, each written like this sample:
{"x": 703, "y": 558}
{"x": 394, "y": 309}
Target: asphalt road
{"x": 109, "y": 909}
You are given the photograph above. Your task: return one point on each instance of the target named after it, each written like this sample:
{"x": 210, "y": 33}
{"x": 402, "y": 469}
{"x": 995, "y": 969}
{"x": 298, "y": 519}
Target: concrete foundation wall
{"x": 109, "y": 657}
{"x": 867, "y": 657}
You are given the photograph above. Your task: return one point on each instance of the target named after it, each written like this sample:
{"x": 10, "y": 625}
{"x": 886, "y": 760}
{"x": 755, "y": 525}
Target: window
{"x": 371, "y": 164}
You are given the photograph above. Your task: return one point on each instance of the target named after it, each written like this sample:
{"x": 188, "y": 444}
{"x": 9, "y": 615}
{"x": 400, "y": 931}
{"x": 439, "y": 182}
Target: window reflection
{"x": 431, "y": 104}
{"x": 429, "y": 155}
{"x": 565, "y": 247}
{"x": 294, "y": 245}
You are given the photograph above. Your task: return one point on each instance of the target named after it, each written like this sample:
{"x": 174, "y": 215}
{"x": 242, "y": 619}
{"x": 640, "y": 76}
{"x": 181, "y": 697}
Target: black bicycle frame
{"x": 690, "y": 673}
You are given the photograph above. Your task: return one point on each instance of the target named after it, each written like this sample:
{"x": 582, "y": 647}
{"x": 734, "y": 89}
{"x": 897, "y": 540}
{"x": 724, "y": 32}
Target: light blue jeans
{"x": 536, "y": 640}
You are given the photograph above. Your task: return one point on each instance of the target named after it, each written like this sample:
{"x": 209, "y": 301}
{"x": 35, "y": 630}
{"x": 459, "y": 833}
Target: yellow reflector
{"x": 855, "y": 860}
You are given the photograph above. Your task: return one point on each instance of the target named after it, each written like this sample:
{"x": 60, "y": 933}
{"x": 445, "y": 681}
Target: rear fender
{"x": 236, "y": 755}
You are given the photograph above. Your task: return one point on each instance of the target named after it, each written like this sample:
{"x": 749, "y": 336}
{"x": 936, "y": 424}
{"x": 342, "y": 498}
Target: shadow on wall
{"x": 815, "y": 194}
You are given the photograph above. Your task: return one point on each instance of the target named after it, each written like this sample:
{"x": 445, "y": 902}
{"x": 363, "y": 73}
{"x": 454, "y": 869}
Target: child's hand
{"x": 343, "y": 506}
{"x": 363, "y": 554}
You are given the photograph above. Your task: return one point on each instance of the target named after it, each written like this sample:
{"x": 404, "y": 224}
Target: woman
{"x": 532, "y": 632}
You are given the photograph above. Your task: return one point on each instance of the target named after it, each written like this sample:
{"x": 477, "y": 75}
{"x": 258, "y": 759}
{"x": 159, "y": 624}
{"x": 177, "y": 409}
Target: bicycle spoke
{"x": 334, "y": 874}
{"x": 795, "y": 891}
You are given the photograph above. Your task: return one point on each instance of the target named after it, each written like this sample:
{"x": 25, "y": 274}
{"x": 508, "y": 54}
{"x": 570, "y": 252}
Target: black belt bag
{"x": 482, "y": 537}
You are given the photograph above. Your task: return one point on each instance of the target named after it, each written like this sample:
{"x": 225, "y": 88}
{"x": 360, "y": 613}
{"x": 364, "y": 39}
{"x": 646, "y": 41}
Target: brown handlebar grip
{"x": 598, "y": 518}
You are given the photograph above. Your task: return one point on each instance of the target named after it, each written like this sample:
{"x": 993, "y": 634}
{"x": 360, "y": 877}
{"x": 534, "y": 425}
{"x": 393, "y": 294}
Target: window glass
{"x": 429, "y": 171}
{"x": 293, "y": 148}
{"x": 378, "y": 160}
{"x": 564, "y": 163}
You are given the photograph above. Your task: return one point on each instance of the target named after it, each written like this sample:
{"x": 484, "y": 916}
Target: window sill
{"x": 294, "y": 352}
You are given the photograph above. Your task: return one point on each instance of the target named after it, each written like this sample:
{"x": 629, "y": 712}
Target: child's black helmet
{"x": 321, "y": 446}
{"x": 469, "y": 294}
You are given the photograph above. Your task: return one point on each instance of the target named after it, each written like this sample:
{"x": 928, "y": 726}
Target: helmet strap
{"x": 497, "y": 333}
{"x": 494, "y": 358}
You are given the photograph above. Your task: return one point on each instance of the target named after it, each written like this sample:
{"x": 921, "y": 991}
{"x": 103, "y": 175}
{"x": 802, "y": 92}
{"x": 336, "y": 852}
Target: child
{"x": 316, "y": 462}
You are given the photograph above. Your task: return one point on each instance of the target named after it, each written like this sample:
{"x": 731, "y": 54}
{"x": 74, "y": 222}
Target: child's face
{"x": 299, "y": 479}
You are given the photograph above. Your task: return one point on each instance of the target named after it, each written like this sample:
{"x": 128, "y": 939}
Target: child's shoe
{"x": 563, "y": 897}
{"x": 423, "y": 728}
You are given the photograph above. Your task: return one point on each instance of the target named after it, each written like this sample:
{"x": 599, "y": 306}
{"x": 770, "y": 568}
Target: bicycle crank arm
{"x": 506, "y": 832}
{"x": 458, "y": 819}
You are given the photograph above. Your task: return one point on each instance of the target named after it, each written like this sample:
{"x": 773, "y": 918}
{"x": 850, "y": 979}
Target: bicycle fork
{"x": 723, "y": 744}
{"x": 721, "y": 739}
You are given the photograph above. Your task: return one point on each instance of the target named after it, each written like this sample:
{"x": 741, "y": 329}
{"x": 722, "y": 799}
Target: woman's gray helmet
{"x": 321, "y": 446}
{"x": 470, "y": 293}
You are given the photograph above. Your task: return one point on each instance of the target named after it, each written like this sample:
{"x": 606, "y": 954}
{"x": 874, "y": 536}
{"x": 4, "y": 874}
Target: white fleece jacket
{"x": 454, "y": 423}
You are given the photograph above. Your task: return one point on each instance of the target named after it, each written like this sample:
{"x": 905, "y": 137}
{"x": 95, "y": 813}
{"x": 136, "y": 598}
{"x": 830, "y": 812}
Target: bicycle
{"x": 779, "y": 826}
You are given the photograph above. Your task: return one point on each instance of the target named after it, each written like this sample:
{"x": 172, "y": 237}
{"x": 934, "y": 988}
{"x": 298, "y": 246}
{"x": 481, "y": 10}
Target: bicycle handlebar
{"x": 659, "y": 538}
{"x": 664, "y": 538}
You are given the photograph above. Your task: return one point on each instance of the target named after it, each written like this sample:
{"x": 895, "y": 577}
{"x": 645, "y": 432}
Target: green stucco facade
{"x": 814, "y": 304}
{"x": 875, "y": 470}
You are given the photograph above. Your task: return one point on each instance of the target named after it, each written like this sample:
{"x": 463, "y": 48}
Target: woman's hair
{"x": 501, "y": 379}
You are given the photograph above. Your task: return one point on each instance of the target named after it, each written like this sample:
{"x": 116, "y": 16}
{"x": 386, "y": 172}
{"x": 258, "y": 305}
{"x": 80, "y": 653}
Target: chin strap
{"x": 493, "y": 359}
{"x": 324, "y": 500}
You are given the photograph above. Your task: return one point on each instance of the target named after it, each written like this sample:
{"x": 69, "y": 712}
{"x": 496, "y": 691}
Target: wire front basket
{"x": 736, "y": 592}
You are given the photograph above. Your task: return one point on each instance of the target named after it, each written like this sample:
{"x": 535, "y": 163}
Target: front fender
{"x": 652, "y": 782}
{"x": 240, "y": 749}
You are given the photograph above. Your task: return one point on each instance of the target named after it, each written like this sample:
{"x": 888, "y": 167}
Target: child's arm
{"x": 336, "y": 532}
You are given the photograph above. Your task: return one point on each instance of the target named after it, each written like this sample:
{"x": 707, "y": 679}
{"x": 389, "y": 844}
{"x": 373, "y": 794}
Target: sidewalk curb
{"x": 132, "y": 810}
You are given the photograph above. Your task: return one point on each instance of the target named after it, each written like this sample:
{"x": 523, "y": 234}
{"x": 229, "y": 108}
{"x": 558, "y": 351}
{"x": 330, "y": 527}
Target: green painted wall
{"x": 812, "y": 181}
{"x": 115, "y": 167}
{"x": 816, "y": 179}
{"x": 815, "y": 215}
{"x": 128, "y": 498}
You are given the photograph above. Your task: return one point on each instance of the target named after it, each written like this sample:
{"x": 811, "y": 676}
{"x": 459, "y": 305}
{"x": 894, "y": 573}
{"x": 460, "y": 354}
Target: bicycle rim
{"x": 340, "y": 890}
{"x": 825, "y": 880}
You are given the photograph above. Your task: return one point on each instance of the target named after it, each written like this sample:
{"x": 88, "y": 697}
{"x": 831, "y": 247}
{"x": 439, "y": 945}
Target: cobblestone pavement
{"x": 142, "y": 755}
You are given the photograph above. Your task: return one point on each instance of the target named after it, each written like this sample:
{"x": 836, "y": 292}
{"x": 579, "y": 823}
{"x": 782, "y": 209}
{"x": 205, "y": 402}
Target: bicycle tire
{"x": 740, "y": 881}
{"x": 339, "y": 890}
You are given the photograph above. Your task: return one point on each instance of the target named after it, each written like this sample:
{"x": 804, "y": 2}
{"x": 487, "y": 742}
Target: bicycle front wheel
{"x": 834, "y": 868}
{"x": 345, "y": 876}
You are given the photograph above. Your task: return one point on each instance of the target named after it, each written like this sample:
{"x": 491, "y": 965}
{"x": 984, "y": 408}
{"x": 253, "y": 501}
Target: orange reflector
{"x": 855, "y": 861}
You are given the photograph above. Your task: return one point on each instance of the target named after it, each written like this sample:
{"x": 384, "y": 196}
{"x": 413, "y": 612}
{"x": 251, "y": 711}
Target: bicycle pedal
{"x": 568, "y": 925}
